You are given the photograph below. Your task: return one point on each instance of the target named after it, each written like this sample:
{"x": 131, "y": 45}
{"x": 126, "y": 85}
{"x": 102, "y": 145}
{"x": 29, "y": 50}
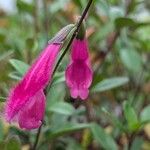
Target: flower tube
{"x": 79, "y": 73}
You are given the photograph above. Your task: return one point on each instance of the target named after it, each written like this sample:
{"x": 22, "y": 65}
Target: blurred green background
{"x": 116, "y": 115}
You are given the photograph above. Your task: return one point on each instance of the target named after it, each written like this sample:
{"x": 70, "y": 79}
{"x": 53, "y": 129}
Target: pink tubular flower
{"x": 26, "y": 101}
{"x": 79, "y": 73}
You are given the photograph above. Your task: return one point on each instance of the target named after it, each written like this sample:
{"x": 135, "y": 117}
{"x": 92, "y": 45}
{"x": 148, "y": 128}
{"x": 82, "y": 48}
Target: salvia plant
{"x": 68, "y": 97}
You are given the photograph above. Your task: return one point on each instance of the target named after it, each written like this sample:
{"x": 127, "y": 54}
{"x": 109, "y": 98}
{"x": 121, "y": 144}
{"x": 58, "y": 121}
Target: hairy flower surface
{"x": 26, "y": 101}
{"x": 79, "y": 73}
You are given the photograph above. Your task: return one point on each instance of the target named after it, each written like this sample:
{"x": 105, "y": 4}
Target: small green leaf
{"x": 131, "y": 60}
{"x": 102, "y": 138}
{"x": 62, "y": 108}
{"x": 110, "y": 83}
{"x": 124, "y": 22}
{"x": 145, "y": 114}
{"x": 65, "y": 129}
{"x": 20, "y": 66}
{"x": 131, "y": 117}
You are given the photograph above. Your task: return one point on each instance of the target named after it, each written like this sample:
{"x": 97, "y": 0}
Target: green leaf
{"x": 124, "y": 22}
{"x": 131, "y": 117}
{"x": 24, "y": 6}
{"x": 131, "y": 60}
{"x": 62, "y": 108}
{"x": 14, "y": 75}
{"x": 145, "y": 114}
{"x": 137, "y": 143}
{"x": 20, "y": 66}
{"x": 5, "y": 55}
{"x": 65, "y": 129}
{"x": 102, "y": 138}
{"x": 2, "y": 99}
{"x": 13, "y": 143}
{"x": 110, "y": 83}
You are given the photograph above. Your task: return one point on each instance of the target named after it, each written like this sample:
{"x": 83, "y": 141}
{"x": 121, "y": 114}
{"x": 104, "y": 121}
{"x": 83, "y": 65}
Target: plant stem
{"x": 63, "y": 54}
{"x": 46, "y": 19}
{"x": 74, "y": 34}
{"x": 37, "y": 137}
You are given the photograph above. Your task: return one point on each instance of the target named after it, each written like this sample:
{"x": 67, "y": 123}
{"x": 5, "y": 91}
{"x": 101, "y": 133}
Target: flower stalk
{"x": 85, "y": 11}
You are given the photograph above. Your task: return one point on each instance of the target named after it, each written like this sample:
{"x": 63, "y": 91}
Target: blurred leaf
{"x": 13, "y": 143}
{"x": 145, "y": 114}
{"x": 5, "y": 55}
{"x": 2, "y": 37}
{"x": 57, "y": 5}
{"x": 2, "y": 99}
{"x": 102, "y": 138}
{"x": 65, "y": 129}
{"x": 81, "y": 4}
{"x": 116, "y": 122}
{"x": 128, "y": 22}
{"x": 73, "y": 144}
{"x": 62, "y": 108}
{"x": 15, "y": 75}
{"x": 130, "y": 116}
{"x": 110, "y": 83}
{"x": 78, "y": 2}
{"x": 124, "y": 22}
{"x": 31, "y": 44}
{"x": 137, "y": 144}
{"x": 23, "y": 135}
{"x": 58, "y": 78}
{"x": 20, "y": 66}
{"x": 131, "y": 59}
{"x": 55, "y": 94}
{"x": 132, "y": 6}
{"x": 103, "y": 7}
{"x": 24, "y": 6}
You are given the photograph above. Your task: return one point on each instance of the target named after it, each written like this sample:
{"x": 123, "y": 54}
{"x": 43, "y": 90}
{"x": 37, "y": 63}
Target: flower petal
{"x": 74, "y": 92}
{"x": 40, "y": 72}
{"x": 34, "y": 80}
{"x": 83, "y": 93}
{"x": 78, "y": 75}
{"x": 31, "y": 116}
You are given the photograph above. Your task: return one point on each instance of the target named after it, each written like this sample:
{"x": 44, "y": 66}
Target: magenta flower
{"x": 79, "y": 73}
{"x": 26, "y": 101}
